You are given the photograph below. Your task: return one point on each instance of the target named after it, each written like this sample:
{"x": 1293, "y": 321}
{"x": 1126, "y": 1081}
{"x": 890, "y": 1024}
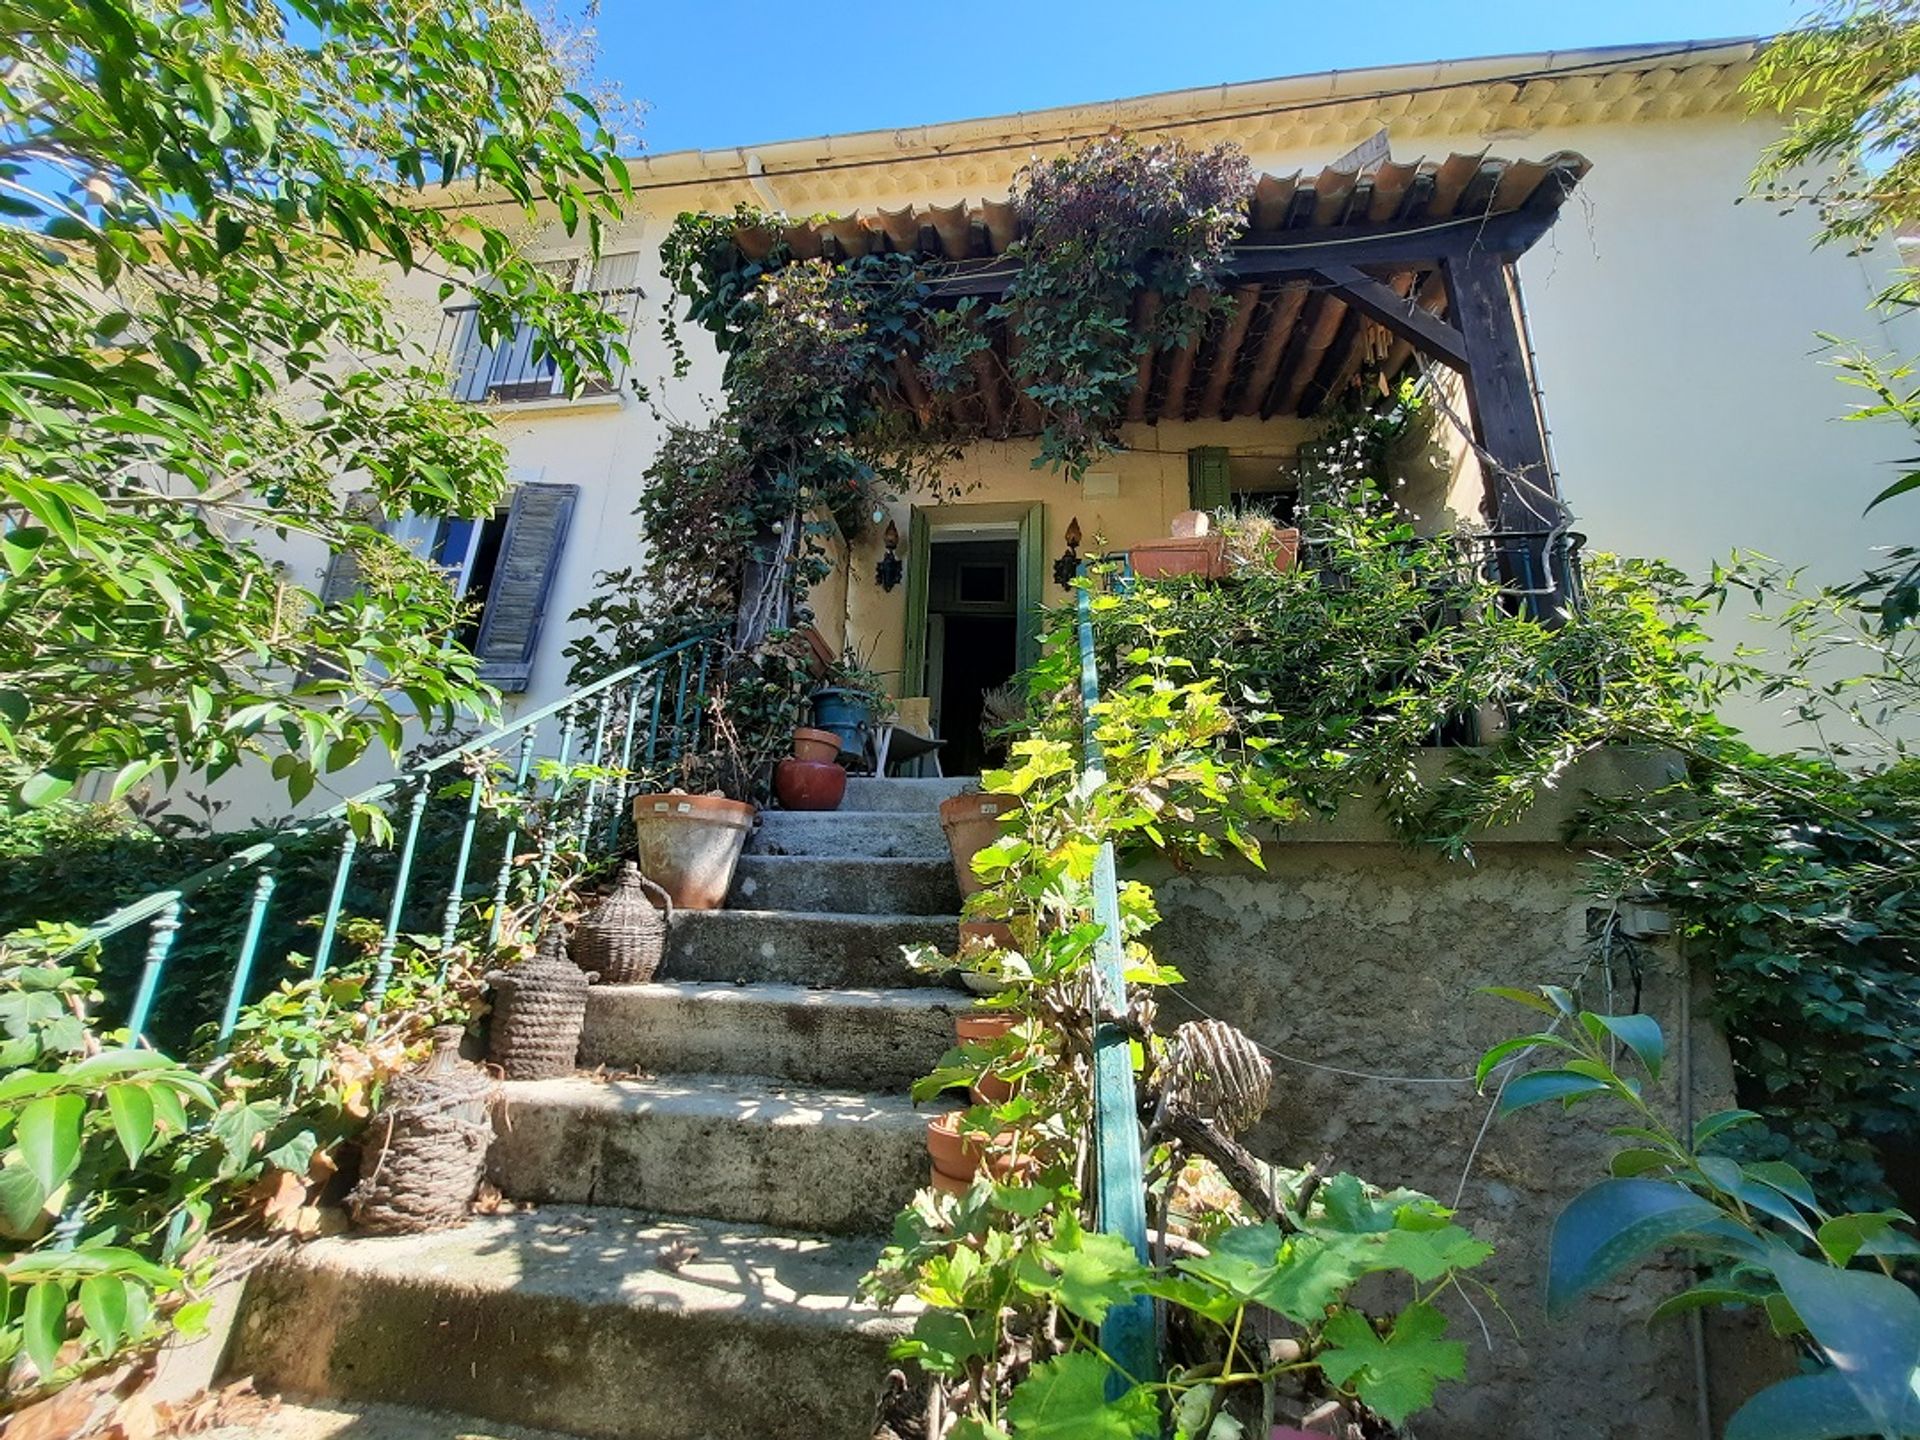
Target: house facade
{"x": 1670, "y": 325}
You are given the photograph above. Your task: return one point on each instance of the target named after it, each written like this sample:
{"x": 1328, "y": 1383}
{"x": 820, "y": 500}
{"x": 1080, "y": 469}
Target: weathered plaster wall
{"x": 1363, "y": 955}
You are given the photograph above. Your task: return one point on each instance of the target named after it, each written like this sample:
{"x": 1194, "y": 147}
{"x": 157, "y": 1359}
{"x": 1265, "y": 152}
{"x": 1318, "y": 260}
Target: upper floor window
{"x": 509, "y": 370}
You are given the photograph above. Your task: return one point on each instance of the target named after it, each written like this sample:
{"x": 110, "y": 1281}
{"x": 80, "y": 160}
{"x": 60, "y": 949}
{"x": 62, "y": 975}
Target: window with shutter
{"x": 515, "y": 603}
{"x": 343, "y": 566}
{"x": 1207, "y": 485}
{"x": 510, "y": 370}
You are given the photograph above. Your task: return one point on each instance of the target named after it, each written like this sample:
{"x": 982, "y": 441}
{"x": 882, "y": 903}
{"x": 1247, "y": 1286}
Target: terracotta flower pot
{"x": 971, "y": 823}
{"x": 689, "y": 844}
{"x": 811, "y": 744}
{"x": 958, "y": 1157}
{"x": 1202, "y": 555}
{"x": 975, "y": 1025}
{"x": 809, "y": 784}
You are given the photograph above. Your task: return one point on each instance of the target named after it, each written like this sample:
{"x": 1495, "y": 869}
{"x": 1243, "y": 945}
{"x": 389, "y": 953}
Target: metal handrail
{"x": 1127, "y": 1334}
{"x": 645, "y": 683}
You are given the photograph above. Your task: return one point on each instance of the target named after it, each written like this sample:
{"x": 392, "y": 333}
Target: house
{"x": 1668, "y": 331}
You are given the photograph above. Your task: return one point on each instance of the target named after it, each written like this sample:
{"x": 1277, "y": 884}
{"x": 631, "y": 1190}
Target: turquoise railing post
{"x": 677, "y": 739}
{"x": 1127, "y": 1334}
{"x": 456, "y": 888}
{"x": 623, "y": 787}
{"x": 390, "y": 936}
{"x": 503, "y": 882}
{"x": 160, "y": 932}
{"x": 550, "y": 831}
{"x": 653, "y": 720}
{"x": 249, "y": 948}
{"x": 336, "y": 901}
{"x": 700, "y": 695}
{"x": 590, "y": 803}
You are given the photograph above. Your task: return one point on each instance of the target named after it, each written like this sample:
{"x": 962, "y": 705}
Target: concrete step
{"x": 603, "y": 1324}
{"x": 865, "y": 792}
{"x": 289, "y": 1419}
{"x": 729, "y": 1147}
{"x": 795, "y": 947}
{"x": 875, "y": 833}
{"x": 846, "y": 884}
{"x": 867, "y": 1039}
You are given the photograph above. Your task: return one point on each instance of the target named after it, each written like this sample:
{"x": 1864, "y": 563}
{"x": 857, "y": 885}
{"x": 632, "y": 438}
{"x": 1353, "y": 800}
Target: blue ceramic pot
{"x": 845, "y": 713}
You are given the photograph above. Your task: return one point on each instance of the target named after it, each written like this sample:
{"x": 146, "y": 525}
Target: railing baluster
{"x": 503, "y": 883}
{"x": 588, "y": 806}
{"x": 550, "y": 832}
{"x": 336, "y": 901}
{"x": 700, "y": 694}
{"x": 160, "y": 933}
{"x": 390, "y": 937}
{"x": 450, "y": 920}
{"x": 653, "y": 721}
{"x": 623, "y": 787}
{"x": 679, "y": 710}
{"x": 249, "y": 948}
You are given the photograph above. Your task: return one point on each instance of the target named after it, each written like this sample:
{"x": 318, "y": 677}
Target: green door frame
{"x": 1030, "y": 574}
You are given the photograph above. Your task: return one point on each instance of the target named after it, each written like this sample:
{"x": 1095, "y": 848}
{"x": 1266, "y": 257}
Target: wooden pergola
{"x": 1339, "y": 275}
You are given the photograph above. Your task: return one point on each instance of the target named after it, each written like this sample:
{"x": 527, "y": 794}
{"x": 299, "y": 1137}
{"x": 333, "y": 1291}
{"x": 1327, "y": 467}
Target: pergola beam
{"x": 1400, "y": 314}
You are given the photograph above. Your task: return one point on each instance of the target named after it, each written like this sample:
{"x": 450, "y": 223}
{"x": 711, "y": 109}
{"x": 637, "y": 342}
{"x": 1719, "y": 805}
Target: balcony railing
{"x": 513, "y": 370}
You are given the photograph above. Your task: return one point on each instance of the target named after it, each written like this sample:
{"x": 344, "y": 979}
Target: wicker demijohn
{"x": 623, "y": 939}
{"x": 427, "y": 1147}
{"x": 538, "y": 1008}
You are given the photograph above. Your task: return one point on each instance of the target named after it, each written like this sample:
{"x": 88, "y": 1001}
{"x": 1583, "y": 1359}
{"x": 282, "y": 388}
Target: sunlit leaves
{"x": 1395, "y": 1373}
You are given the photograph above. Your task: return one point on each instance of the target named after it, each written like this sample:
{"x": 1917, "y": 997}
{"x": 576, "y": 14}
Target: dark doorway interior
{"x": 972, "y": 644}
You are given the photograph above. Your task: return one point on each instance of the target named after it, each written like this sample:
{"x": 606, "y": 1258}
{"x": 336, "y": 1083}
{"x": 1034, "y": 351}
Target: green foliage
{"x": 194, "y": 350}
{"x": 1103, "y": 225}
{"x": 1760, "y": 1223}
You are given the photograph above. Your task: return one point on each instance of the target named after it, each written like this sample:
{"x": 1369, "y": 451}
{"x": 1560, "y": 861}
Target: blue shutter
{"x": 516, "y": 603}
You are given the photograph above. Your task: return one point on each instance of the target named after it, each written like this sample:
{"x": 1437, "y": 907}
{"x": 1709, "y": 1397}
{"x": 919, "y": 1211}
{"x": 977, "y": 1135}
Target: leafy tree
{"x": 1851, "y": 150}
{"x": 196, "y": 354}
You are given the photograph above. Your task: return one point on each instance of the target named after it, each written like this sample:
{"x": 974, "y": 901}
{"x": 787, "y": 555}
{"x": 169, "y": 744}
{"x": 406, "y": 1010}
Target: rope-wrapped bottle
{"x": 624, "y": 937}
{"x": 538, "y": 1008}
{"x": 427, "y": 1147}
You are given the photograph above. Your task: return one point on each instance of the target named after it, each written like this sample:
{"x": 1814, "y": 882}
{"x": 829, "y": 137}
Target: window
{"x": 503, "y": 564}
{"x": 510, "y": 370}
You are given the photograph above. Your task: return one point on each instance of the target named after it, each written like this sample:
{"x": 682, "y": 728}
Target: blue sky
{"x": 730, "y": 74}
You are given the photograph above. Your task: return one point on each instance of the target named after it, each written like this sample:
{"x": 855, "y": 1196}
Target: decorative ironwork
{"x": 889, "y": 571}
{"x": 1068, "y": 565}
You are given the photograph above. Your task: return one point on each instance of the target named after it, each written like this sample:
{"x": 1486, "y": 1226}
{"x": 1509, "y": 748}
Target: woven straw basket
{"x": 625, "y": 936}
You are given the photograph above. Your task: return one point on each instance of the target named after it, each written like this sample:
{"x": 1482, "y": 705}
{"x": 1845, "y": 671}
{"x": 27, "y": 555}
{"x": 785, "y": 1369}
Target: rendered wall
{"x": 1361, "y": 954}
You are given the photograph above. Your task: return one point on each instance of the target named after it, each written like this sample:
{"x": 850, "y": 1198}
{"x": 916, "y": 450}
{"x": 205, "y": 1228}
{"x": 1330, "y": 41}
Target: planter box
{"x": 1202, "y": 555}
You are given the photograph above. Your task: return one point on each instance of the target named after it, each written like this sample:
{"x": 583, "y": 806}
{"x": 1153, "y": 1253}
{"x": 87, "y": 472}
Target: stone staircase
{"x": 695, "y": 1208}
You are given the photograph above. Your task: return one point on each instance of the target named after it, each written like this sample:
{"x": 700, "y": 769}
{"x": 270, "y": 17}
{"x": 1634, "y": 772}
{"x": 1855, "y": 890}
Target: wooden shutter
{"x": 1032, "y": 583}
{"x": 617, "y": 271}
{"x": 516, "y": 602}
{"x": 1207, "y": 487}
{"x": 342, "y": 579}
{"x": 913, "y": 667}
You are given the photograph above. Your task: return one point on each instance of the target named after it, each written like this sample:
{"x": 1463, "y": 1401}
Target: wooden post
{"x": 1523, "y": 496}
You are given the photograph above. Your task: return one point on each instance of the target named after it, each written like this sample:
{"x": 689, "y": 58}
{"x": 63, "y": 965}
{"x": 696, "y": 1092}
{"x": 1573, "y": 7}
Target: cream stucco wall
{"x": 1675, "y": 330}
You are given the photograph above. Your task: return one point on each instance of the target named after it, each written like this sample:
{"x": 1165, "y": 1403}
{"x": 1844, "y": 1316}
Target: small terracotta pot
{"x": 1202, "y": 555}
{"x": 811, "y": 744}
{"x": 958, "y": 1157}
{"x": 971, "y": 1025}
{"x": 971, "y": 823}
{"x": 809, "y": 784}
{"x": 948, "y": 1185}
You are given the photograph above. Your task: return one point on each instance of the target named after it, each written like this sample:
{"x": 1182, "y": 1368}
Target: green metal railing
{"x": 630, "y": 728}
{"x": 1127, "y": 1335}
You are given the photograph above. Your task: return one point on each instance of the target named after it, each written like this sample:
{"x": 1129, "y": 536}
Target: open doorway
{"x": 972, "y": 639}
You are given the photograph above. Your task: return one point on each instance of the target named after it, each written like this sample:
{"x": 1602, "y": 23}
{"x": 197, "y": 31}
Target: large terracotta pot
{"x": 809, "y": 784}
{"x": 689, "y": 845}
{"x": 972, "y": 823}
{"x": 1202, "y": 555}
{"x": 811, "y": 744}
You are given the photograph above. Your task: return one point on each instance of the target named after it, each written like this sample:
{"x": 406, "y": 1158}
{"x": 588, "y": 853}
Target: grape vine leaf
{"x": 1066, "y": 1399}
{"x": 1395, "y": 1375}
